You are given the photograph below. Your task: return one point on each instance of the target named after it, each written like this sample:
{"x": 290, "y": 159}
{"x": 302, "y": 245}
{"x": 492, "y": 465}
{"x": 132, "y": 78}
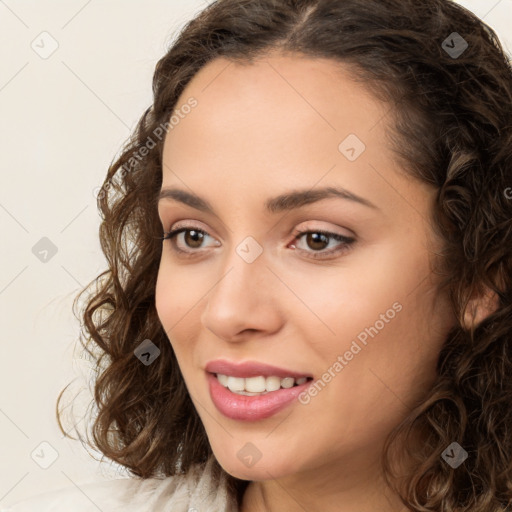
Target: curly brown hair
{"x": 452, "y": 128}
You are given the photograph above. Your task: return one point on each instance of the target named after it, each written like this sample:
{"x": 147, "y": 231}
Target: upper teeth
{"x": 256, "y": 385}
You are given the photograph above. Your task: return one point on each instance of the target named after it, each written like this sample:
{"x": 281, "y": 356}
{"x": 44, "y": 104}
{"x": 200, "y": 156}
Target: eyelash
{"x": 346, "y": 242}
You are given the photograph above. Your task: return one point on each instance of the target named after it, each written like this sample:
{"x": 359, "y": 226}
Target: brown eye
{"x": 192, "y": 240}
{"x": 316, "y": 241}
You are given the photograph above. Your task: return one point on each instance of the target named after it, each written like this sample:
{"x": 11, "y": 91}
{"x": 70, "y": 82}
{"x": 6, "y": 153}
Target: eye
{"x": 193, "y": 241}
{"x": 317, "y": 239}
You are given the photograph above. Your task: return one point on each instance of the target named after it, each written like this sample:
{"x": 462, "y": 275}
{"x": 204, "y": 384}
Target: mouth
{"x": 255, "y": 397}
{"x": 258, "y": 385}
{"x": 248, "y": 369}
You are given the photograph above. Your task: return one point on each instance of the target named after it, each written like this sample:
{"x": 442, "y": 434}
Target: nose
{"x": 246, "y": 297}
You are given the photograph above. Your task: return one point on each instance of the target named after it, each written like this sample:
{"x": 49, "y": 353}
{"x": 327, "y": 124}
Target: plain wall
{"x": 63, "y": 119}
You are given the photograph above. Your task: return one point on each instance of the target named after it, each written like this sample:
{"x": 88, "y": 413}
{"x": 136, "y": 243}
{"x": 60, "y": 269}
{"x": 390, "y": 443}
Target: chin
{"x": 261, "y": 470}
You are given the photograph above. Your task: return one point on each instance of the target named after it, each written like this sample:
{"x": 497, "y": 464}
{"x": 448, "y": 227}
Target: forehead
{"x": 277, "y": 122}
{"x": 280, "y": 95}
{"x": 276, "y": 98}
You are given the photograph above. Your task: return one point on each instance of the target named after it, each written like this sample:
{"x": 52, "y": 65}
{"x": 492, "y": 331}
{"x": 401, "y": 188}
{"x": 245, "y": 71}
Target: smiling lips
{"x": 252, "y": 386}
{"x": 252, "y": 391}
{"x": 251, "y": 369}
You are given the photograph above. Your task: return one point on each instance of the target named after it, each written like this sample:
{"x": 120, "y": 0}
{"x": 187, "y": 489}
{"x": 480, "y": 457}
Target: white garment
{"x": 194, "y": 492}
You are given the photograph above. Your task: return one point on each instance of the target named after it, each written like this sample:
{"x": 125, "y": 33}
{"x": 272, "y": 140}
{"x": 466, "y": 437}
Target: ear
{"x": 479, "y": 307}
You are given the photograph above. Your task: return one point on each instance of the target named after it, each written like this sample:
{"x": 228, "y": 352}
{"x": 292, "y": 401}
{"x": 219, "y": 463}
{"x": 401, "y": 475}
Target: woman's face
{"x": 360, "y": 316}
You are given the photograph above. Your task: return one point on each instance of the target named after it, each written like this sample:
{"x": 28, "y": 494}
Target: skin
{"x": 260, "y": 130}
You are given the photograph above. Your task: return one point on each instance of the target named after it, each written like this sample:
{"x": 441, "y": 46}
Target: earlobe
{"x": 479, "y": 308}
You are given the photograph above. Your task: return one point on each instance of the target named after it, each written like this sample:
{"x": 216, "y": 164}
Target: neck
{"x": 353, "y": 488}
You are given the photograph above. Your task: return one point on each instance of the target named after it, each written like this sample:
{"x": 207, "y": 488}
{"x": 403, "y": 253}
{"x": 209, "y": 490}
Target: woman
{"x": 309, "y": 237}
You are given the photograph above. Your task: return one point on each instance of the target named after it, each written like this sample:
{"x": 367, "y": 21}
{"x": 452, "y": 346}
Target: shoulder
{"x": 179, "y": 493}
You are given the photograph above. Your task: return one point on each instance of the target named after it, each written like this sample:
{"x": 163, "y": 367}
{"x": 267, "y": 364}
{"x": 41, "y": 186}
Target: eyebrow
{"x": 284, "y": 202}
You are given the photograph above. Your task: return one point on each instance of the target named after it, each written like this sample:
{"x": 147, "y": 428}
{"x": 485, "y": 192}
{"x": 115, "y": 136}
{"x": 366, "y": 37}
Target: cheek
{"x": 170, "y": 304}
{"x": 174, "y": 295}
{"x": 379, "y": 311}
{"x": 177, "y": 302}
{"x": 163, "y": 299}
{"x": 349, "y": 297}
